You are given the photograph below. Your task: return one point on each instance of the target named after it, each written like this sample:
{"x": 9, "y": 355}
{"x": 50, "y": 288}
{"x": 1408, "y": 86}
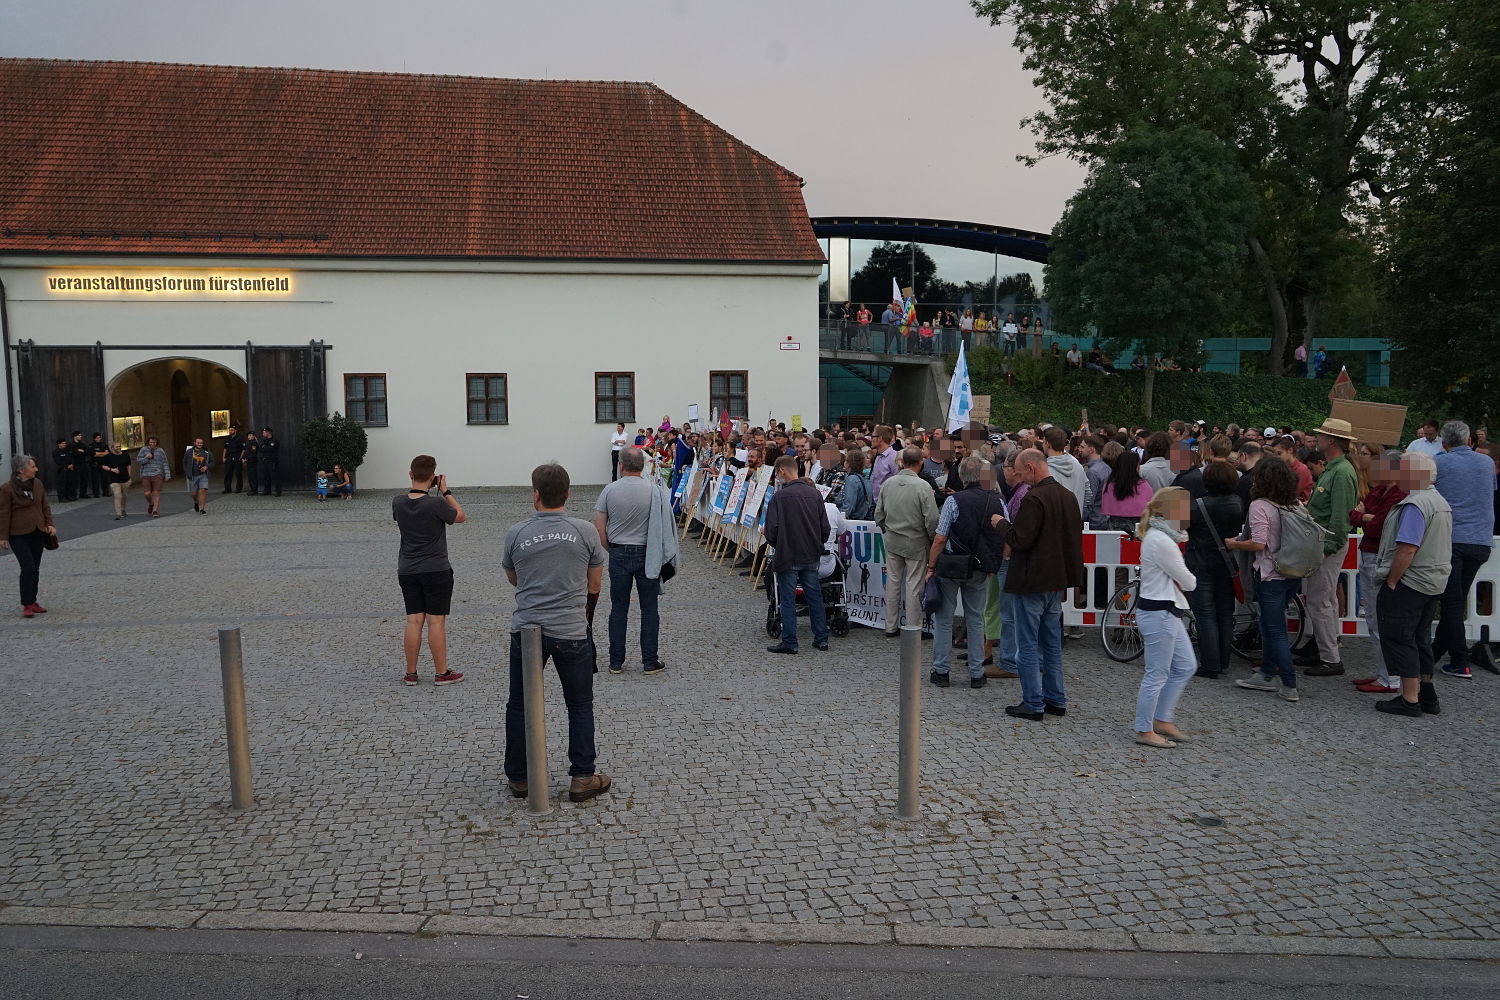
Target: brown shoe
{"x": 518, "y": 789}
{"x": 1000, "y": 672}
{"x": 583, "y": 789}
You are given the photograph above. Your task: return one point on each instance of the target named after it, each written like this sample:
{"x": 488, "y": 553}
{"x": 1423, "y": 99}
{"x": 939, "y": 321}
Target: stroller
{"x": 835, "y": 611}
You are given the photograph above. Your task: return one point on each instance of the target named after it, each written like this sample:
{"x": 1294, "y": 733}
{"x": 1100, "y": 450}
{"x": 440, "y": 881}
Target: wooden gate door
{"x": 62, "y": 391}
{"x": 288, "y": 387}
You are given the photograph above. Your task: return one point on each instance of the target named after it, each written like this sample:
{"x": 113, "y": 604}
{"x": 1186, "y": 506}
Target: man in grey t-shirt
{"x": 621, "y": 517}
{"x": 555, "y": 562}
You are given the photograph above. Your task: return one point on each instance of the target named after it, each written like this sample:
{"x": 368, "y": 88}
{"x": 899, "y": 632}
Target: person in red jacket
{"x": 1369, "y": 516}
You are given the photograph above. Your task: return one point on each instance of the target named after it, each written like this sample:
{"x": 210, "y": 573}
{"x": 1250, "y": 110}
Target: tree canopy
{"x": 1328, "y": 106}
{"x": 1144, "y": 250}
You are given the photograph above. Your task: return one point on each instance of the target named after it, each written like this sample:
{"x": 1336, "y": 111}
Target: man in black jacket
{"x": 234, "y": 451}
{"x": 83, "y": 464}
{"x": 797, "y": 527}
{"x": 62, "y": 464}
{"x": 270, "y": 462}
{"x": 98, "y": 455}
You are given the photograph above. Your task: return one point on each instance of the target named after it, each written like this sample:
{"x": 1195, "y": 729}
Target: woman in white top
{"x": 1160, "y": 607}
{"x": 617, "y": 442}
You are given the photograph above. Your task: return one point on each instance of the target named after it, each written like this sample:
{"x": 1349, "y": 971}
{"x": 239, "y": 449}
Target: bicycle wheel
{"x": 1245, "y": 641}
{"x": 1117, "y": 630}
{"x": 1244, "y": 636}
{"x": 1298, "y": 628}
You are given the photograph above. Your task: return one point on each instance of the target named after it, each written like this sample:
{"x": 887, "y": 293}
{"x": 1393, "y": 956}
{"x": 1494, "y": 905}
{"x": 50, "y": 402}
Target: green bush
{"x": 1216, "y": 397}
{"x": 1037, "y": 374}
{"x": 334, "y": 439}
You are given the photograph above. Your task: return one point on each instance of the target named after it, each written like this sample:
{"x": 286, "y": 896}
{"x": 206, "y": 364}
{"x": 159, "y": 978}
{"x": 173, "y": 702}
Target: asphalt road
{"x": 46, "y": 963}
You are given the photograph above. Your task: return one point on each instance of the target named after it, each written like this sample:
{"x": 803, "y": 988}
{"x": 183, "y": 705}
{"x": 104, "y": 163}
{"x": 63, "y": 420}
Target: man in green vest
{"x": 1334, "y": 496}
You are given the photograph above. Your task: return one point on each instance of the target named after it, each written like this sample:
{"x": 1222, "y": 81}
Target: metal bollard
{"x": 539, "y": 797}
{"x": 908, "y": 799}
{"x": 232, "y": 668}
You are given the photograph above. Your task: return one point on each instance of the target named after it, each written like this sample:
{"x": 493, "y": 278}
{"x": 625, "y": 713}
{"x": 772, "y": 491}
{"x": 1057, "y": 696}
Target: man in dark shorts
{"x": 556, "y": 564}
{"x": 423, "y": 569}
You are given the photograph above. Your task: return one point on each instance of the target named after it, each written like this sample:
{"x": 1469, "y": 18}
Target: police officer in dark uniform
{"x": 98, "y": 455}
{"x": 270, "y": 461}
{"x": 234, "y": 450}
{"x": 251, "y": 456}
{"x": 83, "y": 463}
{"x": 62, "y": 463}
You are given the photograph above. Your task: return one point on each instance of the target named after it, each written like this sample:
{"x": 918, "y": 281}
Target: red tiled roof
{"x": 118, "y": 157}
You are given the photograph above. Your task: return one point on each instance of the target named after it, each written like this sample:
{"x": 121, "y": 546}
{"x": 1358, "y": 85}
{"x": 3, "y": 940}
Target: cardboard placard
{"x": 1377, "y": 423}
{"x": 979, "y": 409}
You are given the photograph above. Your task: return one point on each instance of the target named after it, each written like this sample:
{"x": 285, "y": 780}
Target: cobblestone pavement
{"x": 748, "y": 787}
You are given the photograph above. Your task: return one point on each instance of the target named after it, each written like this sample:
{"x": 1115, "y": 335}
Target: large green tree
{"x": 1326, "y": 103}
{"x": 1445, "y": 236}
{"x": 1144, "y": 250}
{"x": 911, "y": 266}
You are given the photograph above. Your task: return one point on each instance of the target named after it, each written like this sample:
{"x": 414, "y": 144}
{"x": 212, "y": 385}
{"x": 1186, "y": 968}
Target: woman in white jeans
{"x": 1159, "y": 610}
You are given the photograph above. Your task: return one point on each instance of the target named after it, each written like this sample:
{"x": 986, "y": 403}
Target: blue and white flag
{"x": 961, "y": 399}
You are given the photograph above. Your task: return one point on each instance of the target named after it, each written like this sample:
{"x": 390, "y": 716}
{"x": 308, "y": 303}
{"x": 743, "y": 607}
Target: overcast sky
{"x": 885, "y": 107}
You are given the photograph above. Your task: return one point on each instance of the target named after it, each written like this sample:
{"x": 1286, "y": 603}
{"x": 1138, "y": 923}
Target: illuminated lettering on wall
{"x": 168, "y": 284}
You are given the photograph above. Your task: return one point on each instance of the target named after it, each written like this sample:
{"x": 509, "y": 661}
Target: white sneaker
{"x": 1258, "y": 682}
{"x": 1288, "y": 694}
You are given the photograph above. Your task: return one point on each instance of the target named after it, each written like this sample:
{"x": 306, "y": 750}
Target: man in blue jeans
{"x": 1466, "y": 479}
{"x": 797, "y": 528}
{"x": 1045, "y": 537}
{"x": 556, "y": 563}
{"x": 622, "y": 516}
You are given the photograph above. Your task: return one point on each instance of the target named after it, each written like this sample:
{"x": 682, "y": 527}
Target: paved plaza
{"x": 749, "y": 789}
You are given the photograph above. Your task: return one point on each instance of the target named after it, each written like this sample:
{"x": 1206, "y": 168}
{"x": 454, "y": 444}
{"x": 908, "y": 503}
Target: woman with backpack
{"x": 1275, "y": 490}
{"x": 859, "y": 502}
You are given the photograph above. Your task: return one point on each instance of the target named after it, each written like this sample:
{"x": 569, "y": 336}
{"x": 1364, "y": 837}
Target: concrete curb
{"x": 910, "y": 935}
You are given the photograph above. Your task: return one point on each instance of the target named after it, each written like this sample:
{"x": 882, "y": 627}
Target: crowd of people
{"x": 84, "y": 470}
{"x": 959, "y": 532}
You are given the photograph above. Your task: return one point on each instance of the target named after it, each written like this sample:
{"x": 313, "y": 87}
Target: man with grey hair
{"x": 907, "y": 515}
{"x": 1412, "y": 570}
{"x": 622, "y": 517}
{"x": 1045, "y": 536}
{"x": 1466, "y": 479}
{"x": 967, "y": 550}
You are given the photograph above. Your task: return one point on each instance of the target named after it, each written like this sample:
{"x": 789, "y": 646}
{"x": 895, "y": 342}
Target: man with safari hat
{"x": 1334, "y": 496}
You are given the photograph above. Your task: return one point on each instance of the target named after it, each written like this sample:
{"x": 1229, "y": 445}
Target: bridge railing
{"x": 879, "y": 338}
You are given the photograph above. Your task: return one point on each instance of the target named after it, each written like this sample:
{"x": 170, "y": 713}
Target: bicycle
{"x": 1122, "y": 641}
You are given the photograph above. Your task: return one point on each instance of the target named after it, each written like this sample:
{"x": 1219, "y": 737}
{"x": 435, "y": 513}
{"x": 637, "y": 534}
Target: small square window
{"x": 729, "y": 392}
{"x": 364, "y": 399}
{"x": 614, "y": 397}
{"x": 488, "y": 401}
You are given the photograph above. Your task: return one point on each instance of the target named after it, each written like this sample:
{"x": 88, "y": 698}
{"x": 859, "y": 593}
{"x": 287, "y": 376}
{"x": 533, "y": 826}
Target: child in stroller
{"x": 831, "y": 573}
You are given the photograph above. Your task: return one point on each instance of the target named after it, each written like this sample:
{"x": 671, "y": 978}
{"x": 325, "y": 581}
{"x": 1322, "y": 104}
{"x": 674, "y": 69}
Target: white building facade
{"x": 496, "y": 326}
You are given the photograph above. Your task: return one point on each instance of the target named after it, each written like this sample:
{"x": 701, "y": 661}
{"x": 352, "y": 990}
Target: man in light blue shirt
{"x": 884, "y": 466}
{"x": 1466, "y": 479}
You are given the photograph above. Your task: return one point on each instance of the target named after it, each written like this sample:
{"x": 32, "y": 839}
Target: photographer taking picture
{"x": 423, "y": 569}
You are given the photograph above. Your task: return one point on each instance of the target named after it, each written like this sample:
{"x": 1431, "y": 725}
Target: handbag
{"x": 956, "y": 565}
{"x": 1234, "y": 571}
{"x": 49, "y": 541}
{"x": 932, "y": 596}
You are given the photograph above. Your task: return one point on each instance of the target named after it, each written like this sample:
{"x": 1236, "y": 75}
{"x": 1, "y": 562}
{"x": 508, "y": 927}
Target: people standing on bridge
{"x": 863, "y": 319}
{"x": 981, "y": 330}
{"x": 1008, "y": 332}
{"x": 155, "y": 470}
{"x": 890, "y": 319}
{"x": 966, "y": 329}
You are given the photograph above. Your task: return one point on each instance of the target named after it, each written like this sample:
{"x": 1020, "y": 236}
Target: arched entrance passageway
{"x": 177, "y": 399}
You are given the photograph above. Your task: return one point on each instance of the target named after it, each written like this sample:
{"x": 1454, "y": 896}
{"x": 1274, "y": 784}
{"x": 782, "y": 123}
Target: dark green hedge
{"x": 1248, "y": 400}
